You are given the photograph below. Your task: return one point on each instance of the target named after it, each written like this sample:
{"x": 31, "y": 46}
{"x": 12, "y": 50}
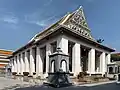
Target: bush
{"x": 81, "y": 75}
{"x": 96, "y": 79}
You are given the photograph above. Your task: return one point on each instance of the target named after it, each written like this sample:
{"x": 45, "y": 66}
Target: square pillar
{"x": 26, "y": 62}
{"x": 102, "y": 63}
{"x": 91, "y": 61}
{"x": 22, "y": 64}
{"x": 108, "y": 57}
{"x": 76, "y": 59}
{"x": 32, "y": 63}
{"x": 39, "y": 63}
{"x": 18, "y": 64}
{"x": 48, "y": 52}
{"x": 63, "y": 44}
{"x": 15, "y": 65}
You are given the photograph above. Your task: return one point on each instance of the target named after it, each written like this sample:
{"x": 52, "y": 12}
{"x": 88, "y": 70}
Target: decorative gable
{"x": 78, "y": 23}
{"x": 79, "y": 18}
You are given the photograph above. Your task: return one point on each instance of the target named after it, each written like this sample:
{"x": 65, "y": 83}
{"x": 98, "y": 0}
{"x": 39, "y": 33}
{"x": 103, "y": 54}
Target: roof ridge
{"x": 52, "y": 25}
{"x": 6, "y": 50}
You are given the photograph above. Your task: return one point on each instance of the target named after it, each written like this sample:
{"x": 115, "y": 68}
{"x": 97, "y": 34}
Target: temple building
{"x": 114, "y": 67}
{"x": 4, "y": 59}
{"x": 72, "y": 34}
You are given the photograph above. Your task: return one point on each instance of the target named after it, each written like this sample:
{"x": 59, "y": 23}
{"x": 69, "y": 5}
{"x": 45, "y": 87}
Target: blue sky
{"x": 20, "y": 20}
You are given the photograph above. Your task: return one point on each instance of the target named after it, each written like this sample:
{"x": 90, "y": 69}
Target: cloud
{"x": 8, "y": 19}
{"x": 48, "y": 3}
{"x": 39, "y": 23}
{"x": 42, "y": 22}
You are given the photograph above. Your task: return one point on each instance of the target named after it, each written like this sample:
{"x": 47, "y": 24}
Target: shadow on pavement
{"x": 112, "y": 86}
{"x": 42, "y": 87}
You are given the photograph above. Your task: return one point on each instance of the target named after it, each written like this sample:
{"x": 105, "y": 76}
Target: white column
{"x": 22, "y": 64}
{"x": 63, "y": 44}
{"x": 23, "y": 57}
{"x": 108, "y": 57}
{"x": 48, "y": 52}
{"x": 76, "y": 59}
{"x": 15, "y": 64}
{"x": 91, "y": 61}
{"x": 26, "y": 62}
{"x": 39, "y": 63}
{"x": 53, "y": 68}
{"x": 18, "y": 61}
{"x": 102, "y": 63}
{"x": 32, "y": 63}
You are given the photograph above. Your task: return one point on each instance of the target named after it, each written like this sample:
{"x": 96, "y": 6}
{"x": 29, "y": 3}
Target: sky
{"x": 20, "y": 20}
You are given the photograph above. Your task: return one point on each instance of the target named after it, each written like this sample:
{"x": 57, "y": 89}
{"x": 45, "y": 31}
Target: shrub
{"x": 81, "y": 75}
{"x": 96, "y": 79}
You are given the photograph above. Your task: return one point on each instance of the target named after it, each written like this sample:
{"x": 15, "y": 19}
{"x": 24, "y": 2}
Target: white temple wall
{"x": 68, "y": 38}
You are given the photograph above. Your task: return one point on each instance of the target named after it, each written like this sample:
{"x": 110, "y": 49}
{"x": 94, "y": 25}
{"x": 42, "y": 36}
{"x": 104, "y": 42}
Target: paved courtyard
{"x": 111, "y": 86}
{"x": 11, "y": 84}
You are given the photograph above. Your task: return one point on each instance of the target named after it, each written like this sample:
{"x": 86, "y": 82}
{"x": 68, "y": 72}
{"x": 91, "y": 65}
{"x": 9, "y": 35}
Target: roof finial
{"x": 80, "y": 7}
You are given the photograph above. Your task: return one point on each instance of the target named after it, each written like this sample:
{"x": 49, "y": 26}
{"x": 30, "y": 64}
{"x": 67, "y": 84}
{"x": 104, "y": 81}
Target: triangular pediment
{"x": 77, "y": 22}
{"x": 79, "y": 18}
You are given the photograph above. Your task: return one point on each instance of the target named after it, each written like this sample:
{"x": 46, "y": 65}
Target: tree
{"x": 100, "y": 40}
{"x": 115, "y": 57}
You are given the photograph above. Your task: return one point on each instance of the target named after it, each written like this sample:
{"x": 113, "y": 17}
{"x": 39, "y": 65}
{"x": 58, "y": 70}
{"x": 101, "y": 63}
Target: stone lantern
{"x": 58, "y": 60}
{"x": 58, "y": 75}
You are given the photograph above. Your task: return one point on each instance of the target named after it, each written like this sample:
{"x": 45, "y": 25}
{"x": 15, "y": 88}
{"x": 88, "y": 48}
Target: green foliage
{"x": 81, "y": 75}
{"x": 100, "y": 40}
{"x": 115, "y": 57}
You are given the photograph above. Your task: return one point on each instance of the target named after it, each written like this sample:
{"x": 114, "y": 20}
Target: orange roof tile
{"x": 5, "y": 52}
{"x": 2, "y": 65}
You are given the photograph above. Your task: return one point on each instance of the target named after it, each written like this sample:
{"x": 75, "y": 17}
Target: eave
{"x": 90, "y": 41}
{"x": 61, "y": 28}
{"x": 24, "y": 47}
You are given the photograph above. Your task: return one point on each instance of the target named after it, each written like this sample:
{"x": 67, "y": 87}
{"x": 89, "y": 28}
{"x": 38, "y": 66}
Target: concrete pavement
{"x": 109, "y": 86}
{"x": 11, "y": 84}
{"x": 6, "y": 83}
{"x": 100, "y": 83}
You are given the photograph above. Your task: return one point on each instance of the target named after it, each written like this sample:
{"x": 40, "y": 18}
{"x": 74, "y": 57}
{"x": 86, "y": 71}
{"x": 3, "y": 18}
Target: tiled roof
{"x": 5, "y": 52}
